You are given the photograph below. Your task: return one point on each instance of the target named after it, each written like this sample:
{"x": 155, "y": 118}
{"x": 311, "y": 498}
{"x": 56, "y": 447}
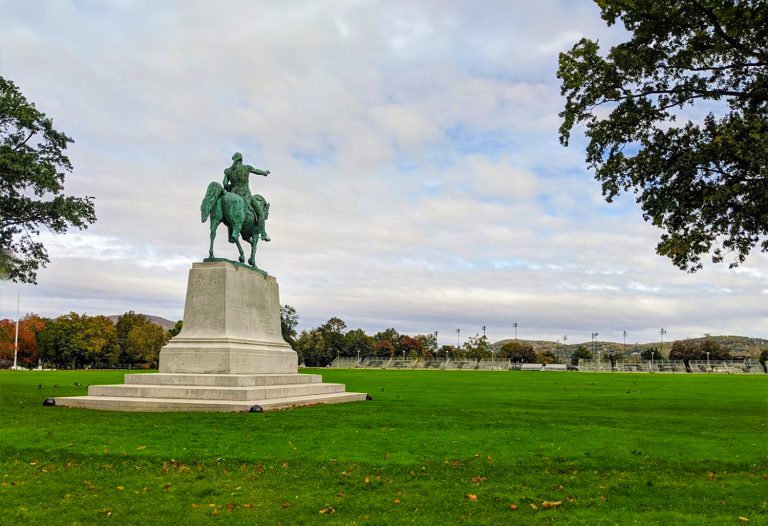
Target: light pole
{"x": 652, "y": 353}
{"x": 707, "y": 359}
{"x": 625, "y": 343}
{"x": 515, "y": 326}
{"x": 436, "y": 345}
{"x": 594, "y": 335}
{"x": 565, "y": 347}
{"x": 662, "y": 332}
{"x": 458, "y": 339}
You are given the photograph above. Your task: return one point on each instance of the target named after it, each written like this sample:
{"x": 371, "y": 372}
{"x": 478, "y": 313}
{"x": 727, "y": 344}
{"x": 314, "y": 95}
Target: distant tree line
{"x": 319, "y": 346}
{"x": 73, "y": 341}
{"x": 76, "y": 341}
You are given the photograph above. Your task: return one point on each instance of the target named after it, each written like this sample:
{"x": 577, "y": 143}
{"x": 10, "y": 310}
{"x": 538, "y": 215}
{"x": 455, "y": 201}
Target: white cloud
{"x": 416, "y": 179}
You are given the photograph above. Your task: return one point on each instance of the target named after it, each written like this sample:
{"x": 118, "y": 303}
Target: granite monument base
{"x": 229, "y": 356}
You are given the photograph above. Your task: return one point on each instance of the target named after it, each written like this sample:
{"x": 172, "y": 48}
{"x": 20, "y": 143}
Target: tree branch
{"x": 722, "y": 34}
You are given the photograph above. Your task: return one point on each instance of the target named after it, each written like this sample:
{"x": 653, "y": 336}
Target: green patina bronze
{"x": 252, "y": 268}
{"x": 233, "y": 204}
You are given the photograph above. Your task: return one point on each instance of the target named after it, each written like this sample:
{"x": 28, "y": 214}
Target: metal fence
{"x": 747, "y": 366}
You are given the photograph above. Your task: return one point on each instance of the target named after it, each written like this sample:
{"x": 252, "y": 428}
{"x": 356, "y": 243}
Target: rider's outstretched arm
{"x": 257, "y": 171}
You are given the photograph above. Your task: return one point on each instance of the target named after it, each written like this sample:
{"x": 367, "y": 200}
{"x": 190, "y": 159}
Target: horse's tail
{"x": 213, "y": 193}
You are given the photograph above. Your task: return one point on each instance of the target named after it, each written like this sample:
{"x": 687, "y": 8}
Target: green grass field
{"x": 433, "y": 447}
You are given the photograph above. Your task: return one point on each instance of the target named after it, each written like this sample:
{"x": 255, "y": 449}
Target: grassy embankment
{"x": 433, "y": 447}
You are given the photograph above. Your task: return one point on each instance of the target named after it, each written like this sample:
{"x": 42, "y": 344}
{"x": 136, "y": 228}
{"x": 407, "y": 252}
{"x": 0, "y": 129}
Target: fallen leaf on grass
{"x": 285, "y": 505}
{"x": 603, "y": 498}
{"x": 328, "y": 510}
{"x": 230, "y": 507}
{"x": 743, "y": 519}
{"x": 345, "y": 474}
{"x": 513, "y": 506}
{"x": 340, "y": 494}
{"x": 120, "y": 488}
{"x": 471, "y": 497}
{"x": 141, "y": 447}
{"x": 534, "y": 507}
{"x": 478, "y": 480}
{"x": 367, "y": 480}
{"x": 570, "y": 499}
{"x": 195, "y": 506}
{"x": 711, "y": 475}
{"x": 396, "y": 501}
{"x": 247, "y": 506}
{"x": 547, "y": 504}
{"x": 215, "y": 513}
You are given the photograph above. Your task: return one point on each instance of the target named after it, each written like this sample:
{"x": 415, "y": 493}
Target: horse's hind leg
{"x": 241, "y": 259}
{"x": 253, "y": 240}
{"x": 214, "y": 226}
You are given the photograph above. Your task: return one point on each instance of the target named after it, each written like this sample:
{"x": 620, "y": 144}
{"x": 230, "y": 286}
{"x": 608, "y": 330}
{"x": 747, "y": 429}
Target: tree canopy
{"x": 518, "y": 351}
{"x": 32, "y": 169}
{"x": 289, "y": 320}
{"x": 580, "y": 353}
{"x": 698, "y": 173}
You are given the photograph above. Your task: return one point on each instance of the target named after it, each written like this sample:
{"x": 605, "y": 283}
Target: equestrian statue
{"x": 231, "y": 203}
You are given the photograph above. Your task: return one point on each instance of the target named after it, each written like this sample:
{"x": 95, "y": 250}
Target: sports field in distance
{"x": 433, "y": 447}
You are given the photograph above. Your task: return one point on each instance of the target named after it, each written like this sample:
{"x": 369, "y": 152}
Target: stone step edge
{"x": 197, "y": 392}
{"x": 170, "y": 387}
{"x": 226, "y": 380}
{"x": 124, "y": 404}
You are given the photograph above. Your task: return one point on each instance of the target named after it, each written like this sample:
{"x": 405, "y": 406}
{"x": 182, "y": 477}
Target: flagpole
{"x": 16, "y": 340}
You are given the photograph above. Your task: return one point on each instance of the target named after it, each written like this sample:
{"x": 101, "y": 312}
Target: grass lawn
{"x": 433, "y": 447}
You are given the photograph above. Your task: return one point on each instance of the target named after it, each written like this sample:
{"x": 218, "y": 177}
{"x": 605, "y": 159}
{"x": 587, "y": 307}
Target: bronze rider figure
{"x": 236, "y": 181}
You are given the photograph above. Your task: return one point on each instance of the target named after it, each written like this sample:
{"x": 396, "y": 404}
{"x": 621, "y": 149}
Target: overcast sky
{"x": 417, "y": 180}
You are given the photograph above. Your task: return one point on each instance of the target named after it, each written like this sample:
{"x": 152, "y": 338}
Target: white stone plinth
{"x": 229, "y": 356}
{"x": 231, "y": 325}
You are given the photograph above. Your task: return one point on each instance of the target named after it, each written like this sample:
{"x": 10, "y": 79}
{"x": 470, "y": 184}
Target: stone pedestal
{"x": 229, "y": 356}
{"x": 231, "y": 325}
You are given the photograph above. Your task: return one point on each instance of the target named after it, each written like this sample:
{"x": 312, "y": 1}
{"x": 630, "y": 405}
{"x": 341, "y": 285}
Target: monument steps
{"x": 223, "y": 380}
{"x": 213, "y": 392}
{"x": 130, "y": 404}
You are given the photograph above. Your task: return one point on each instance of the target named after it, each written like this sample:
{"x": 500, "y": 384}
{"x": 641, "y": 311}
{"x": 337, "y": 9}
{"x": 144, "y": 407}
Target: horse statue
{"x": 232, "y": 210}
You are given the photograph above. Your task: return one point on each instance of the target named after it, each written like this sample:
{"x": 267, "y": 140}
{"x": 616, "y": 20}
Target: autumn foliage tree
{"x": 29, "y": 327}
